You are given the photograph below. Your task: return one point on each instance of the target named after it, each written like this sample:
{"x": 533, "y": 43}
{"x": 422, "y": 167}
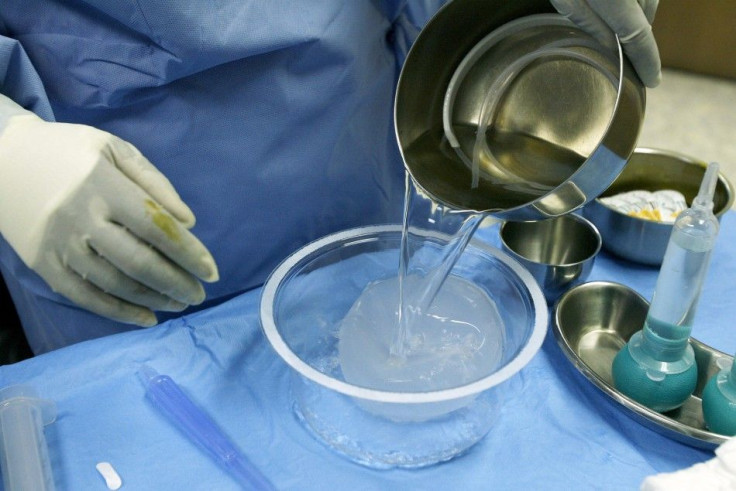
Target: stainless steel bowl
{"x": 645, "y": 241}
{"x": 564, "y": 121}
{"x": 558, "y": 252}
{"x": 593, "y": 321}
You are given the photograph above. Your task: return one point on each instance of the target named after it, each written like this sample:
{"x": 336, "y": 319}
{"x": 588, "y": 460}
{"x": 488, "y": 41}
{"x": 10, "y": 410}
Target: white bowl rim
{"x": 522, "y": 358}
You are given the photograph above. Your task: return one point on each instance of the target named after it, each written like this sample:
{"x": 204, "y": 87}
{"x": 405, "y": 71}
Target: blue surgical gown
{"x": 272, "y": 118}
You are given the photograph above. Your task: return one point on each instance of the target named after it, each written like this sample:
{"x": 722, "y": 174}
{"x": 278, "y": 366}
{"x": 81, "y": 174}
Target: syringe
{"x": 657, "y": 366}
{"x": 24, "y": 459}
{"x": 168, "y": 398}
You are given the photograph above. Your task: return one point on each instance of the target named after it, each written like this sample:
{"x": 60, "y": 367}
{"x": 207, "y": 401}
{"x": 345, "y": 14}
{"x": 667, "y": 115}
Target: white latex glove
{"x": 716, "y": 474}
{"x": 96, "y": 220}
{"x": 631, "y": 20}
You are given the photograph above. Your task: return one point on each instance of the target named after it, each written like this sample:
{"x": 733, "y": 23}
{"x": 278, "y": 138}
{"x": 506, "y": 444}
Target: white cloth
{"x": 716, "y": 474}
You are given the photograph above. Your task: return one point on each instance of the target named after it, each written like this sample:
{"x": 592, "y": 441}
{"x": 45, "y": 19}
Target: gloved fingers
{"x": 643, "y": 53}
{"x": 91, "y": 267}
{"x": 155, "y": 226}
{"x": 629, "y": 20}
{"x": 649, "y": 7}
{"x": 583, "y": 16}
{"x": 146, "y": 265}
{"x": 134, "y": 209}
{"x": 136, "y": 167}
{"x": 88, "y": 296}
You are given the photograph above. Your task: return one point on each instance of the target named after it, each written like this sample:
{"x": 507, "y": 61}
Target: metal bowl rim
{"x": 687, "y": 160}
{"x": 519, "y": 210}
{"x": 574, "y": 216}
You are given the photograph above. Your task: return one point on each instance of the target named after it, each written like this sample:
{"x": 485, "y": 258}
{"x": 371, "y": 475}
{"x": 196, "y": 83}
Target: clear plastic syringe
{"x": 657, "y": 366}
{"x": 24, "y": 458}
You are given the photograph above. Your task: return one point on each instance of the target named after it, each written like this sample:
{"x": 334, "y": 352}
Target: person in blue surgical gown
{"x": 269, "y": 121}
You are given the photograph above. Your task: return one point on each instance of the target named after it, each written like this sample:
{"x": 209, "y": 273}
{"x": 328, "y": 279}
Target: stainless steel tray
{"x": 593, "y": 321}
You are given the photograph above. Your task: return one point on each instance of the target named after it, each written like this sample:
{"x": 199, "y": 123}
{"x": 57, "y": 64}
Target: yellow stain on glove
{"x": 162, "y": 220}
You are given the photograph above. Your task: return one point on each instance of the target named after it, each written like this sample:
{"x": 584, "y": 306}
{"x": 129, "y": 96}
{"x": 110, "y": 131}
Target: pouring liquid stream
{"x": 519, "y": 169}
{"x": 423, "y": 329}
{"x": 428, "y": 328}
{"x": 410, "y": 311}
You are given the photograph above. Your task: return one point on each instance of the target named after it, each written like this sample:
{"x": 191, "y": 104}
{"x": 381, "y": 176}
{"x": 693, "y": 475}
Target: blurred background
{"x": 693, "y": 111}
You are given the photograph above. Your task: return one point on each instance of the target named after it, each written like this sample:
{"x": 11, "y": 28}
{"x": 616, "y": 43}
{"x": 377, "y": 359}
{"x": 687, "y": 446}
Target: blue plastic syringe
{"x": 168, "y": 398}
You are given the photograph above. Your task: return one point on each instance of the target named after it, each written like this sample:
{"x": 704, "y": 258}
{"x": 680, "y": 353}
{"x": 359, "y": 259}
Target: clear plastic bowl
{"x": 303, "y": 304}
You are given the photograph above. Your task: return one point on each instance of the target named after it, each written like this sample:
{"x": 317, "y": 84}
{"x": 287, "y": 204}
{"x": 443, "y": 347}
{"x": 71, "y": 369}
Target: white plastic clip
{"x": 112, "y": 478}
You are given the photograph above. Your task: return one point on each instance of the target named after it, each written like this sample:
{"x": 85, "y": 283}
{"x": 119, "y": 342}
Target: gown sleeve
{"x": 20, "y": 82}
{"x": 407, "y": 18}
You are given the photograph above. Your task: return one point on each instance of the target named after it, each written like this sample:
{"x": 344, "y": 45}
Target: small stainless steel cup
{"x": 558, "y": 252}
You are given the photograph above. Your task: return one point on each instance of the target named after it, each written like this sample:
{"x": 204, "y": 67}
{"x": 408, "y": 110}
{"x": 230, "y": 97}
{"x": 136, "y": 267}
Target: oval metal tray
{"x": 593, "y": 321}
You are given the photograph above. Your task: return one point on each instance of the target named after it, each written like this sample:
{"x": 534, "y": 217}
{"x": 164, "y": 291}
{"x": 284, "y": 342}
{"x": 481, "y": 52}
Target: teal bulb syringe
{"x": 657, "y": 366}
{"x": 719, "y": 401}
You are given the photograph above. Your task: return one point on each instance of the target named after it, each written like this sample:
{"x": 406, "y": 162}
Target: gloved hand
{"x": 96, "y": 220}
{"x": 630, "y": 19}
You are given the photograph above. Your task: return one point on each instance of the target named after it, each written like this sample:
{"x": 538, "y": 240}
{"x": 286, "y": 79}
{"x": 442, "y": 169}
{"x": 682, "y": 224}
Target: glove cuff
{"x": 10, "y": 109}
{"x": 41, "y": 165}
